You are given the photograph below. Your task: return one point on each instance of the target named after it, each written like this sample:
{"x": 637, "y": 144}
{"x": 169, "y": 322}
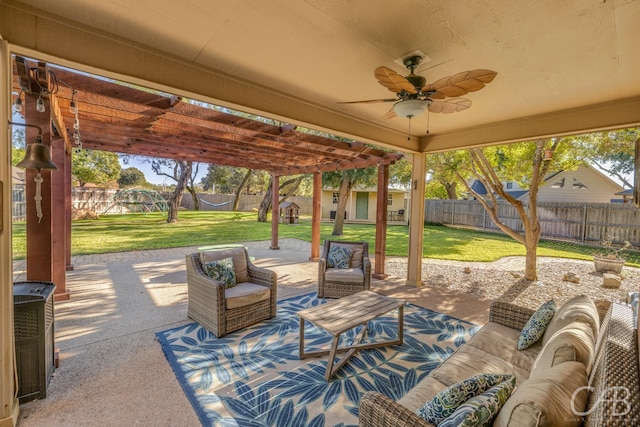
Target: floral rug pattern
{"x": 254, "y": 377}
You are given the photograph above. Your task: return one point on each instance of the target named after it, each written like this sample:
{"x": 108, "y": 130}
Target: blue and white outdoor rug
{"x": 254, "y": 377}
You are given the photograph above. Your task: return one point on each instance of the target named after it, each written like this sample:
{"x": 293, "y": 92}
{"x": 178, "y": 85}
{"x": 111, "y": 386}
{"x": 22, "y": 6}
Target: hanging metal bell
{"x": 37, "y": 156}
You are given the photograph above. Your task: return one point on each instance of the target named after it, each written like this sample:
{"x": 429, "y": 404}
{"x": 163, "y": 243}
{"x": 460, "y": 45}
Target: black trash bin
{"x": 34, "y": 337}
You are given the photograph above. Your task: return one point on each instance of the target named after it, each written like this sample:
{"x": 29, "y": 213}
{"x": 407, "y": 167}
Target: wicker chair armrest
{"x": 510, "y": 315}
{"x": 262, "y": 276}
{"x": 366, "y": 265}
{"x": 377, "y": 410}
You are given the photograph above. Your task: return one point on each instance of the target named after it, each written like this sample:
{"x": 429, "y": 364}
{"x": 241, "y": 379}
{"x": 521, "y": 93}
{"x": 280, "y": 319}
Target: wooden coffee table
{"x": 339, "y": 316}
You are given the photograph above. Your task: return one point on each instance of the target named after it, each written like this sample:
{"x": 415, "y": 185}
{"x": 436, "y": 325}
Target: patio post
{"x": 275, "y": 211}
{"x": 381, "y": 221}
{"x": 315, "y": 216}
{"x": 9, "y": 408}
{"x": 416, "y": 220}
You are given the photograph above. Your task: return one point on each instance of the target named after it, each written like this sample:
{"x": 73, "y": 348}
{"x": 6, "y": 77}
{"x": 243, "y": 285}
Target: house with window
{"x": 586, "y": 184}
{"x": 361, "y": 205}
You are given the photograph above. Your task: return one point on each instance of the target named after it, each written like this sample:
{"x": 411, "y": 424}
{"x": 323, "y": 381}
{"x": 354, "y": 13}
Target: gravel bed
{"x": 504, "y": 280}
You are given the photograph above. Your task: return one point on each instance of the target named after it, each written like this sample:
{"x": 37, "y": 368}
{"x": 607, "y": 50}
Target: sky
{"x": 151, "y": 176}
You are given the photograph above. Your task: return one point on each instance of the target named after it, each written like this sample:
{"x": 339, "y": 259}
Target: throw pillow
{"x": 222, "y": 271}
{"x": 480, "y": 410}
{"x": 339, "y": 257}
{"x": 536, "y": 325}
{"x": 445, "y": 403}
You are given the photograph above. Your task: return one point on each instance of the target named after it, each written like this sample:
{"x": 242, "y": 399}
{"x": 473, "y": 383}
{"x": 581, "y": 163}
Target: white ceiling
{"x": 550, "y": 55}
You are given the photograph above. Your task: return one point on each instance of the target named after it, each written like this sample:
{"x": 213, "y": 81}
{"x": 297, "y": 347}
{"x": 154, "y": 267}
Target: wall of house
{"x": 583, "y": 185}
{"x": 328, "y": 205}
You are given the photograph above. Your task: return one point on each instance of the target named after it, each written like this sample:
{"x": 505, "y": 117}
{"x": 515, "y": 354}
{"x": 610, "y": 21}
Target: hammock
{"x": 215, "y": 205}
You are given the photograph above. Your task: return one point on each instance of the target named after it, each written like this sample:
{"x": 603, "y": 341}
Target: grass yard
{"x": 121, "y": 233}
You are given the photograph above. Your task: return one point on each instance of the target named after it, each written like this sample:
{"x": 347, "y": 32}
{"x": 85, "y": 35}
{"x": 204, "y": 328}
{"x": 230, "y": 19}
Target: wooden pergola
{"x": 121, "y": 118}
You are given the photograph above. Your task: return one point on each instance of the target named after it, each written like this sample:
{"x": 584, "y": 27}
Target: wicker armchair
{"x": 340, "y": 282}
{"x": 224, "y": 310}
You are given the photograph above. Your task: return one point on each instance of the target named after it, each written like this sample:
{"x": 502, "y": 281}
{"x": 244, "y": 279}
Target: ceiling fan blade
{"x": 391, "y": 114}
{"x": 370, "y": 101}
{"x": 448, "y": 106}
{"x": 393, "y": 81}
{"x": 461, "y": 83}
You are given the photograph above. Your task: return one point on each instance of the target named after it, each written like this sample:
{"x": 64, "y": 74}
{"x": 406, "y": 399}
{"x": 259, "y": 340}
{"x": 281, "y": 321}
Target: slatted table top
{"x": 348, "y": 312}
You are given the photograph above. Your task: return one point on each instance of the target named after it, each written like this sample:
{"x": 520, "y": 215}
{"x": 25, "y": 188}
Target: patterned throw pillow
{"x": 222, "y": 271}
{"x": 480, "y": 410}
{"x": 445, "y": 403}
{"x": 536, "y": 325}
{"x": 339, "y": 257}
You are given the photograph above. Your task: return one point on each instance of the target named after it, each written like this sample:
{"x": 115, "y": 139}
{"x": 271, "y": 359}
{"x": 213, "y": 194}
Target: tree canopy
{"x": 98, "y": 167}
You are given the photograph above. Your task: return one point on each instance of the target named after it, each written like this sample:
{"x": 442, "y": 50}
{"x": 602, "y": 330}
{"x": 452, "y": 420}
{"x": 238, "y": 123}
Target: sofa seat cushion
{"x": 501, "y": 341}
{"x": 422, "y": 392}
{"x": 468, "y": 361}
{"x": 573, "y": 342}
{"x": 245, "y": 293}
{"x": 547, "y": 399}
{"x": 579, "y": 308}
{"x": 238, "y": 255}
{"x": 349, "y": 275}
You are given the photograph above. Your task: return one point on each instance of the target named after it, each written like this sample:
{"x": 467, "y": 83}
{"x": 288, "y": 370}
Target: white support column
{"x": 416, "y": 220}
{"x": 10, "y": 409}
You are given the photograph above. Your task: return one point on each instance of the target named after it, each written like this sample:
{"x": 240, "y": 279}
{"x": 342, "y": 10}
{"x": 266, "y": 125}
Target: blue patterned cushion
{"x": 480, "y": 410}
{"x": 536, "y": 325}
{"x": 448, "y": 400}
{"x": 339, "y": 257}
{"x": 222, "y": 271}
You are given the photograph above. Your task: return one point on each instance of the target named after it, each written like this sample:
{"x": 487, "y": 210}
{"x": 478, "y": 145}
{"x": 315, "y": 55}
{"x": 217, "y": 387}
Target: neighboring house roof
{"x": 479, "y": 188}
{"x": 17, "y": 176}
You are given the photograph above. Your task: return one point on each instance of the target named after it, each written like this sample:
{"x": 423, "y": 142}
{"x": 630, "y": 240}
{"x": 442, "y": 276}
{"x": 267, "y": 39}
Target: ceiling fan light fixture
{"x": 410, "y": 108}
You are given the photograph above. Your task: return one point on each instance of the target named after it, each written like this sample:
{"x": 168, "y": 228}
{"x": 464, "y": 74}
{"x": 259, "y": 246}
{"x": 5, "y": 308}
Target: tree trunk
{"x": 451, "y": 190}
{"x": 176, "y": 196}
{"x": 265, "y": 204}
{"x": 236, "y": 200}
{"x": 345, "y": 189}
{"x": 194, "y": 197}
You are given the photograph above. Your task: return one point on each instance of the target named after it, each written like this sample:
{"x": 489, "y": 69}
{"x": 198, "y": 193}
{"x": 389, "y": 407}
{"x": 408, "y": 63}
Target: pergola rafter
{"x": 120, "y": 118}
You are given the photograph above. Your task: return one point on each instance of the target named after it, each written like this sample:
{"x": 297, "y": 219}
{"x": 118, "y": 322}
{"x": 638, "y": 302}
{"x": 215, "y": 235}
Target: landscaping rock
{"x": 611, "y": 280}
{"x": 571, "y": 277}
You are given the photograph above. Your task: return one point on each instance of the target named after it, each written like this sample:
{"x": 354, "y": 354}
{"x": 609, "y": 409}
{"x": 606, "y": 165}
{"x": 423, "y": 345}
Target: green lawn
{"x": 118, "y": 233}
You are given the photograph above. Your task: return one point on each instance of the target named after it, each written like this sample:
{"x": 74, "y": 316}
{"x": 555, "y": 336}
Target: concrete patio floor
{"x": 112, "y": 370}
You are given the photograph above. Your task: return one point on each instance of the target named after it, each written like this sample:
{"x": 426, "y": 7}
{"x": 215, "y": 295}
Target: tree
{"x": 181, "y": 172}
{"x": 524, "y": 163}
{"x": 98, "y": 167}
{"x": 345, "y": 180}
{"x": 443, "y": 167}
{"x": 610, "y": 151}
{"x": 288, "y": 186}
{"x": 132, "y": 177}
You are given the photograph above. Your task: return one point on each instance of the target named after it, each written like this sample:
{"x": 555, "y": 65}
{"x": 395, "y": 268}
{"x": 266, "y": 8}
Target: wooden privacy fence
{"x": 248, "y": 203}
{"x": 586, "y": 223}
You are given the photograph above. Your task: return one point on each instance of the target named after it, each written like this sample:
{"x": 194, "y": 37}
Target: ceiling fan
{"x": 415, "y": 96}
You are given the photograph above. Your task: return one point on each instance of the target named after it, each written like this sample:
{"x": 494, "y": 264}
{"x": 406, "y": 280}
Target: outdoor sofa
{"x": 580, "y": 362}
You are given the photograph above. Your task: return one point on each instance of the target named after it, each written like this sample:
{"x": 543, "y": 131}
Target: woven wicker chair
{"x": 224, "y": 310}
{"x": 337, "y": 282}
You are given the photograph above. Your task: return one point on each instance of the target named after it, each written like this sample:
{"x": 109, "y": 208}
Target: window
{"x": 389, "y": 199}
{"x": 577, "y": 185}
{"x": 335, "y": 196}
{"x": 509, "y": 185}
